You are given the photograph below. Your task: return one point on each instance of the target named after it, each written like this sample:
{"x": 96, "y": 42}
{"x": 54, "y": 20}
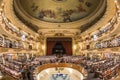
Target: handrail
{"x": 69, "y": 65}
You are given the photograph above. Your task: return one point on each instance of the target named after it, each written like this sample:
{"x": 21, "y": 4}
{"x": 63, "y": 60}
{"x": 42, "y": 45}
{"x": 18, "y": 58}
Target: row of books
{"x": 11, "y": 72}
{"x": 4, "y": 42}
{"x": 114, "y": 42}
{"x": 7, "y": 43}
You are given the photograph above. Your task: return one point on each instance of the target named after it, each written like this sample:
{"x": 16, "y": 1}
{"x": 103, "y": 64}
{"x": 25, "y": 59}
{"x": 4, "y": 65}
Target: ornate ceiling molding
{"x": 9, "y": 13}
{"x": 109, "y": 14}
{"x": 49, "y": 26}
{"x": 80, "y": 24}
{"x": 59, "y": 0}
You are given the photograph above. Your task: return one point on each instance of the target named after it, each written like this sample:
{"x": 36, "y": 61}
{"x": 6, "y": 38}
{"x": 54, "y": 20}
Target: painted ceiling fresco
{"x": 59, "y": 11}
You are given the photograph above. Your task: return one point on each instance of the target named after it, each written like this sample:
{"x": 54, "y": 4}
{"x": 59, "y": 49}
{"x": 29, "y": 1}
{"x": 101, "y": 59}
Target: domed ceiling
{"x": 59, "y": 11}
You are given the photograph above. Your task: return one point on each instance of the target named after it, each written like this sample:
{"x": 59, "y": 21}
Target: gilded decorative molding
{"x": 74, "y": 25}
{"x": 115, "y": 49}
{"x": 59, "y": 34}
{"x": 3, "y": 50}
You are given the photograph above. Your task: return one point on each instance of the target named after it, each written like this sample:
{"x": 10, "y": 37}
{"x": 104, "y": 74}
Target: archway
{"x": 59, "y": 46}
{"x": 58, "y": 49}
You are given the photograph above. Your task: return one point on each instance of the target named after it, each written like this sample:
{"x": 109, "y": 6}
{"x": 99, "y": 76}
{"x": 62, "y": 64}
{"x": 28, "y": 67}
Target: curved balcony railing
{"x": 54, "y": 65}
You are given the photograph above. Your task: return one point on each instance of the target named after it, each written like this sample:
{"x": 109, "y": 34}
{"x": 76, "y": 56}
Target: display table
{"x": 11, "y": 72}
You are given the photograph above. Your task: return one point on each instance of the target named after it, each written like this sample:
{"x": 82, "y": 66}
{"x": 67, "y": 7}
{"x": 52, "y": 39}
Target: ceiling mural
{"x": 59, "y": 11}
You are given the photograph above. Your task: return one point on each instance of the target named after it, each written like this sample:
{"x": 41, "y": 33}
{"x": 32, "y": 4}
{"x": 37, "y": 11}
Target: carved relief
{"x": 59, "y": 34}
{"x": 59, "y": 0}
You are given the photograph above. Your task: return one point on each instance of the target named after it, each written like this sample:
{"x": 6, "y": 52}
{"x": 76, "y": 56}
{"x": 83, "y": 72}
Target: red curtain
{"x": 50, "y": 45}
{"x": 67, "y": 45}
